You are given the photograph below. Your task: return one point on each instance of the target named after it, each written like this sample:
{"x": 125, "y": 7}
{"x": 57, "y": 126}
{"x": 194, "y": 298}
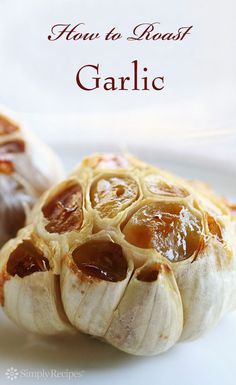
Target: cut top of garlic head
{"x": 141, "y": 258}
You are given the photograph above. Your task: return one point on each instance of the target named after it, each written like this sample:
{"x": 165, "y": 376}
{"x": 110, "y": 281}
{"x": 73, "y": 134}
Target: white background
{"x": 196, "y": 108}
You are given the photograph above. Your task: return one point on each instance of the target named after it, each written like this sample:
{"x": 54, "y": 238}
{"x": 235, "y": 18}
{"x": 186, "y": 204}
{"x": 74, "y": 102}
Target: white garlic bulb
{"x": 27, "y": 168}
{"x": 140, "y": 258}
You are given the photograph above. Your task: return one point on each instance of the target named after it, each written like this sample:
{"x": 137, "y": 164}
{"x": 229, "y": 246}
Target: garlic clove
{"x": 93, "y": 279}
{"x": 61, "y": 219}
{"x": 207, "y": 287}
{"x": 170, "y": 226}
{"x": 149, "y": 317}
{"x": 30, "y": 289}
{"x": 112, "y": 193}
{"x": 159, "y": 184}
{"x": 30, "y": 303}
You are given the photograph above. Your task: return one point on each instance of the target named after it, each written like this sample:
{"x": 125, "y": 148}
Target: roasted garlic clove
{"x": 170, "y": 227}
{"x": 27, "y": 168}
{"x": 109, "y": 197}
{"x": 30, "y": 290}
{"x": 207, "y": 286}
{"x": 110, "y": 194}
{"x": 161, "y": 185}
{"x": 64, "y": 210}
{"x": 93, "y": 279}
{"x": 61, "y": 219}
{"x": 208, "y": 200}
{"x": 149, "y": 317}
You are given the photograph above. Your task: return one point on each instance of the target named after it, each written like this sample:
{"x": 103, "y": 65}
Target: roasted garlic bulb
{"x": 27, "y": 169}
{"x": 125, "y": 252}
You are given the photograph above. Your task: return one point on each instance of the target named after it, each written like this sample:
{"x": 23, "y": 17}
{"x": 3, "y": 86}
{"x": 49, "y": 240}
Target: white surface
{"x": 86, "y": 133}
{"x": 209, "y": 360}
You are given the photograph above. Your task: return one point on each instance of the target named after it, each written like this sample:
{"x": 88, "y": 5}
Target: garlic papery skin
{"x": 31, "y": 299}
{"x": 149, "y": 317}
{"x": 32, "y": 303}
{"x": 28, "y": 167}
{"x": 206, "y": 284}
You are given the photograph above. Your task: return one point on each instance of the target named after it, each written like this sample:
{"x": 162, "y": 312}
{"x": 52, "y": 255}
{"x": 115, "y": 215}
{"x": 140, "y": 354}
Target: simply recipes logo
{"x": 88, "y": 76}
{"x": 13, "y": 374}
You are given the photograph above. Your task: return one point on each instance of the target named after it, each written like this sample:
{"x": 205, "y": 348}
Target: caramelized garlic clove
{"x": 110, "y": 194}
{"x": 61, "y": 219}
{"x": 206, "y": 284}
{"x": 149, "y": 317}
{"x": 30, "y": 290}
{"x": 208, "y": 200}
{"x": 64, "y": 211}
{"x": 170, "y": 227}
{"x": 160, "y": 185}
{"x": 93, "y": 279}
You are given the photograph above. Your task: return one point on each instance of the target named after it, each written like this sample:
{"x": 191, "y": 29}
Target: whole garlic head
{"x": 27, "y": 168}
{"x": 125, "y": 252}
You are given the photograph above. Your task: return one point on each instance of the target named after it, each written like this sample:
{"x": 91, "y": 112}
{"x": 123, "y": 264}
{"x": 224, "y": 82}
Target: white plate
{"x": 209, "y": 360}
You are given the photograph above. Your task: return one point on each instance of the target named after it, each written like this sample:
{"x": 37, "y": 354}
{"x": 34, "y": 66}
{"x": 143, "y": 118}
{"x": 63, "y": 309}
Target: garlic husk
{"x": 32, "y": 169}
{"x": 33, "y": 301}
{"x": 37, "y": 164}
{"x": 32, "y": 304}
{"x": 40, "y": 166}
{"x": 16, "y": 198}
{"x": 90, "y": 302}
{"x": 149, "y": 317}
{"x": 206, "y": 284}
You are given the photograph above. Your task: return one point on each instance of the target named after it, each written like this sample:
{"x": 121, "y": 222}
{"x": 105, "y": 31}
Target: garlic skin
{"x": 206, "y": 286}
{"x": 27, "y": 168}
{"x": 36, "y": 306}
{"x": 144, "y": 258}
{"x": 149, "y": 318}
